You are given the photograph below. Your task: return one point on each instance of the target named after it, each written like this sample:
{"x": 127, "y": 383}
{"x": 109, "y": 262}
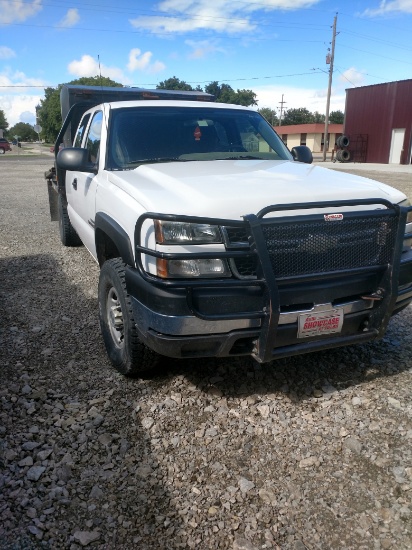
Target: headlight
{"x": 186, "y": 233}
{"x": 199, "y": 268}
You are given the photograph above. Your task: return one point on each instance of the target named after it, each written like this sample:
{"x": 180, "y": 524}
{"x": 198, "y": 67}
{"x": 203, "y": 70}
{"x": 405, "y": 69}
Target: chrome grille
{"x": 319, "y": 247}
{"x": 301, "y": 248}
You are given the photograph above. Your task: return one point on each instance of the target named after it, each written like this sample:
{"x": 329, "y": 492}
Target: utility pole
{"x": 332, "y": 57}
{"x": 281, "y": 111}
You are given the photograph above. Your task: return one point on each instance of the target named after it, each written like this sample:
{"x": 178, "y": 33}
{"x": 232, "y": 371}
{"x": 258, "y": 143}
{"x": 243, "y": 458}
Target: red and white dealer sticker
{"x": 332, "y": 217}
{"x": 320, "y": 322}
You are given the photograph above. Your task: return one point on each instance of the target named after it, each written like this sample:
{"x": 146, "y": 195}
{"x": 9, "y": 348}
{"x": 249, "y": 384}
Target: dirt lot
{"x": 308, "y": 452}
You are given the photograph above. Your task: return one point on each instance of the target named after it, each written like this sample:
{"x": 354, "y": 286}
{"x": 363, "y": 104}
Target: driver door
{"x": 81, "y": 188}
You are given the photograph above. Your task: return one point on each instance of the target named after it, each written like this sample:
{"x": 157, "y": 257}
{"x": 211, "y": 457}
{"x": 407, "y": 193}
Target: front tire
{"x": 126, "y": 352}
{"x": 68, "y": 235}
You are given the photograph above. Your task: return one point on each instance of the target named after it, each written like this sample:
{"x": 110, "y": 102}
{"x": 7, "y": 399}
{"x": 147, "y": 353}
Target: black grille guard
{"x": 392, "y": 218}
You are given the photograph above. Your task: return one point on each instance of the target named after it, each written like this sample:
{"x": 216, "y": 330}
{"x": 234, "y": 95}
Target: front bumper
{"x": 260, "y": 317}
{"x": 167, "y": 325}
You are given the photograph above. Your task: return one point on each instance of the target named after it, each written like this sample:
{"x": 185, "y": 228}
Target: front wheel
{"x": 126, "y": 352}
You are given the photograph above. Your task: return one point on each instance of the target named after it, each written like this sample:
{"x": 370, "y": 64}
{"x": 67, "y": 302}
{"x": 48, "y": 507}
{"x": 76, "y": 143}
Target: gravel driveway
{"x": 308, "y": 452}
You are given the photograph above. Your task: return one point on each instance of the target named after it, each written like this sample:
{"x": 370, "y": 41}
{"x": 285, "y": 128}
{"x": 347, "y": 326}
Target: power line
{"x": 379, "y": 40}
{"x": 188, "y": 82}
{"x": 377, "y": 55}
{"x": 61, "y": 27}
{"x": 346, "y": 78}
{"x": 185, "y": 16}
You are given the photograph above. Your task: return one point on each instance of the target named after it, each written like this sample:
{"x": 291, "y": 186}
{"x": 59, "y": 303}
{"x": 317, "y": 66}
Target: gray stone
{"x": 36, "y": 531}
{"x": 147, "y": 423}
{"x": 241, "y": 543}
{"x": 86, "y": 537}
{"x": 35, "y": 473}
{"x": 27, "y": 461}
{"x": 105, "y": 439}
{"x": 43, "y": 455}
{"x": 245, "y": 485}
{"x": 353, "y": 444}
{"x": 96, "y": 492}
{"x": 29, "y": 445}
{"x": 144, "y": 471}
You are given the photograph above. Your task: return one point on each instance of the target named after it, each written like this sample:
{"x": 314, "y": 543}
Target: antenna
{"x": 100, "y": 71}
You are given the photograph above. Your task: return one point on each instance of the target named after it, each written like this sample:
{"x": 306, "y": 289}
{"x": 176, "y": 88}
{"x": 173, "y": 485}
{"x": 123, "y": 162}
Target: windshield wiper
{"x": 156, "y": 160}
{"x": 242, "y": 157}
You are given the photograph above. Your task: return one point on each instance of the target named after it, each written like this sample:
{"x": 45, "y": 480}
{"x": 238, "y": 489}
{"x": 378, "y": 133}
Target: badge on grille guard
{"x": 333, "y": 217}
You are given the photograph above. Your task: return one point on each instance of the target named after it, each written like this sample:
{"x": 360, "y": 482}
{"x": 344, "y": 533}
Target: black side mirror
{"x": 301, "y": 153}
{"x": 75, "y": 159}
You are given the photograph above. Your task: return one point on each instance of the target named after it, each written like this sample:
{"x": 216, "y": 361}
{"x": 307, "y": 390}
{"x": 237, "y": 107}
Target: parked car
{"x": 4, "y": 146}
{"x": 15, "y": 142}
{"x": 60, "y": 148}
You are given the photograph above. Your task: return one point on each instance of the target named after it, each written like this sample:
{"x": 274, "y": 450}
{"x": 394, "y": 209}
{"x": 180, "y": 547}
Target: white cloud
{"x": 395, "y": 6}
{"x": 352, "y": 77}
{"x": 71, "y": 19}
{"x": 139, "y": 61}
{"x": 182, "y": 16}
{"x": 311, "y": 98}
{"x": 16, "y": 95}
{"x": 201, "y": 49}
{"x": 157, "y": 67}
{"x": 28, "y": 117}
{"x": 6, "y": 53}
{"x": 89, "y": 66}
{"x": 17, "y": 106}
{"x": 12, "y": 11}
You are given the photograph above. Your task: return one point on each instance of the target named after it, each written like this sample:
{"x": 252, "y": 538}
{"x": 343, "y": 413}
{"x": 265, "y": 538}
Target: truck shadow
{"x": 60, "y": 392}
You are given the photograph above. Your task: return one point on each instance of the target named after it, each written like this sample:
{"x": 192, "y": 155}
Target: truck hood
{"x": 233, "y": 188}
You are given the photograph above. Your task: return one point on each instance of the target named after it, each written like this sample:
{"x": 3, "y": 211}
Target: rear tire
{"x": 126, "y": 352}
{"x": 68, "y": 235}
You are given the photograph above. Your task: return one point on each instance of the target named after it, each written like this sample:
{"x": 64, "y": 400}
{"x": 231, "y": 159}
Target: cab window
{"x": 80, "y": 131}
{"x": 93, "y": 137}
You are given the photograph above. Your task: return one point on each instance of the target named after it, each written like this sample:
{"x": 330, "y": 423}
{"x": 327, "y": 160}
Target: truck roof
{"x": 76, "y": 100}
{"x": 94, "y": 95}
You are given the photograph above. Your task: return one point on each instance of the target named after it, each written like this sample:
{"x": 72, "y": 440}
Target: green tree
{"x": 24, "y": 131}
{"x": 297, "y": 116}
{"x": 3, "y": 122}
{"x": 48, "y": 111}
{"x": 270, "y": 115}
{"x": 175, "y": 83}
{"x": 318, "y": 117}
{"x": 49, "y": 115}
{"x": 336, "y": 117}
{"x": 247, "y": 98}
{"x": 224, "y": 93}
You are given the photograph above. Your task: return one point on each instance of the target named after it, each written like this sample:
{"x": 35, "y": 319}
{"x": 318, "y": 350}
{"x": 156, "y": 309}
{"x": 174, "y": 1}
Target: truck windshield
{"x": 142, "y": 135}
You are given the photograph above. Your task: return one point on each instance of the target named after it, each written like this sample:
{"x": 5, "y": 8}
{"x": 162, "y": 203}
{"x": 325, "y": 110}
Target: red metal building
{"x": 378, "y": 122}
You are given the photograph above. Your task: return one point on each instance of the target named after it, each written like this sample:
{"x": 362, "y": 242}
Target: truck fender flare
{"x": 117, "y": 235}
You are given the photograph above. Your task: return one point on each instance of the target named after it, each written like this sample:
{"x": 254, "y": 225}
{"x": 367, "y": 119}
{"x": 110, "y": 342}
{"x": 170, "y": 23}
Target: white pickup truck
{"x": 214, "y": 239}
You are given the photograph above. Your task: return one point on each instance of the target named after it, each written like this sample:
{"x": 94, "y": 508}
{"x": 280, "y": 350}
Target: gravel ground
{"x": 308, "y": 452}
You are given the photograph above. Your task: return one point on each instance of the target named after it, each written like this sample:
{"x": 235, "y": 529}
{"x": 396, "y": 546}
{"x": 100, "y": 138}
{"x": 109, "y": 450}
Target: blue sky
{"x": 273, "y": 47}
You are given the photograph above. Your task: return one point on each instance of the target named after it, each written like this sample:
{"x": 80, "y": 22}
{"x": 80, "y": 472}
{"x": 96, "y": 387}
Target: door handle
{"x": 74, "y": 183}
